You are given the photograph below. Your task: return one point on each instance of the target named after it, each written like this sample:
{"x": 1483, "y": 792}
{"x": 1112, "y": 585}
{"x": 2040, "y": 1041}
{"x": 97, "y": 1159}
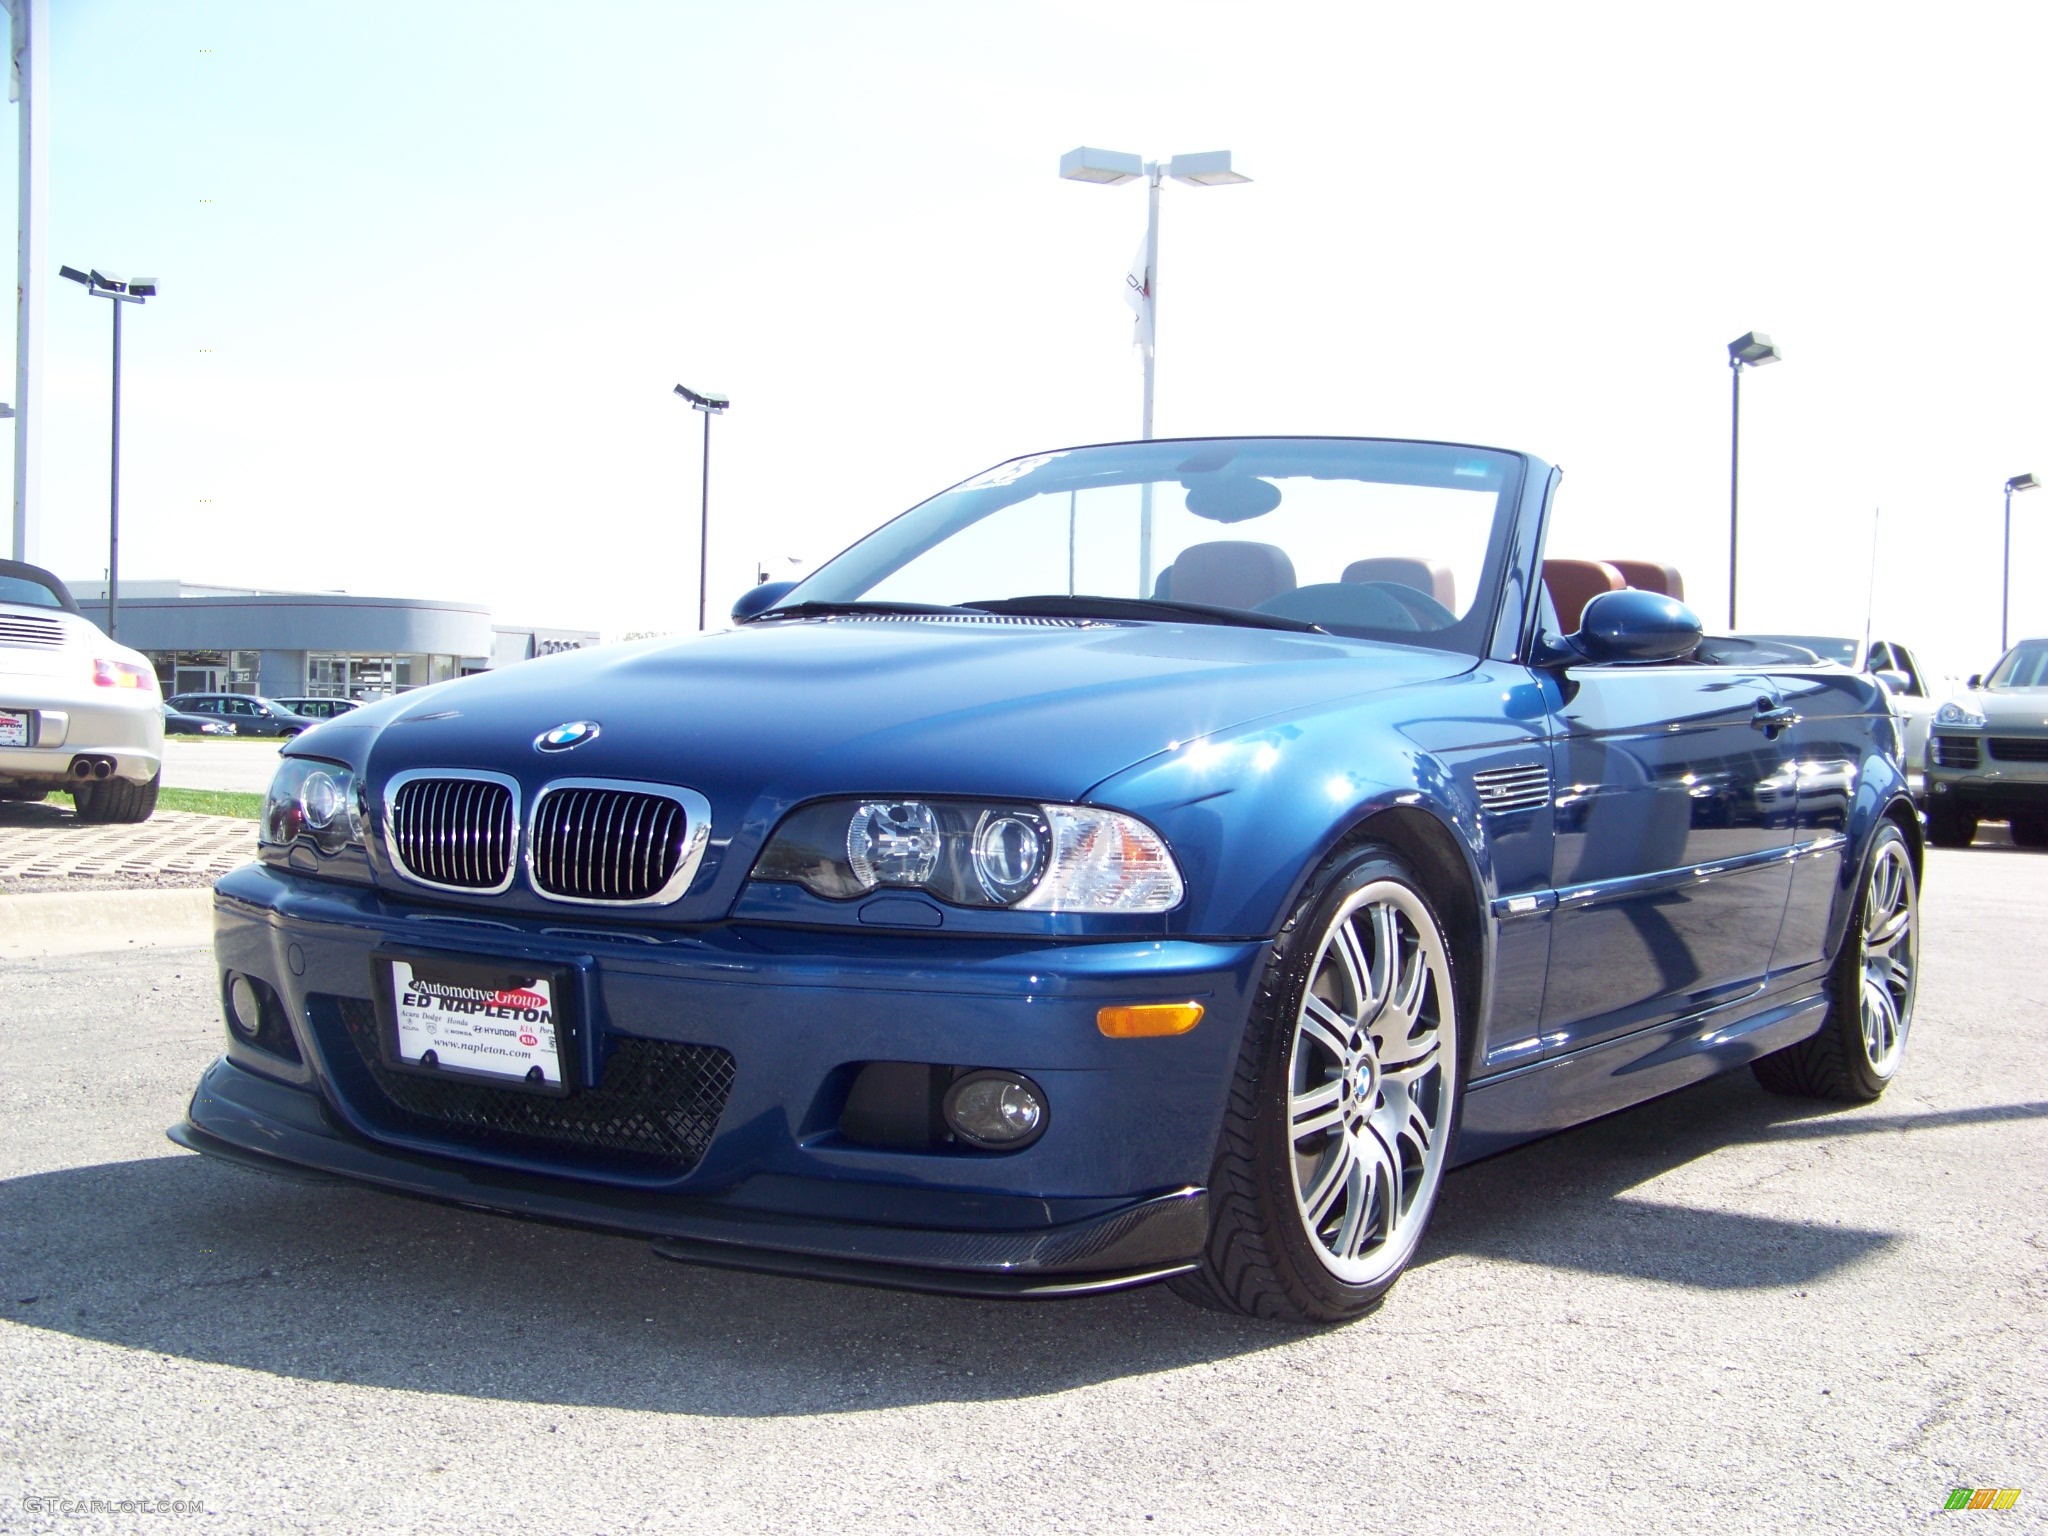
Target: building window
{"x": 205, "y": 671}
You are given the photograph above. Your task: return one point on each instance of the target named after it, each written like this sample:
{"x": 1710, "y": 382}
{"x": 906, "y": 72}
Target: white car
{"x": 1905, "y": 685}
{"x": 78, "y": 712}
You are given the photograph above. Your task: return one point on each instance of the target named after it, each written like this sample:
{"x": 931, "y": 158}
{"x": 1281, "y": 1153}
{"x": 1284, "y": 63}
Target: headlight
{"x": 1959, "y": 714}
{"x": 1035, "y": 858}
{"x": 314, "y": 803}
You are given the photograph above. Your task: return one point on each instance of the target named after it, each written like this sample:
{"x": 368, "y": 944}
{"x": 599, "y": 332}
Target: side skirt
{"x": 1549, "y": 1096}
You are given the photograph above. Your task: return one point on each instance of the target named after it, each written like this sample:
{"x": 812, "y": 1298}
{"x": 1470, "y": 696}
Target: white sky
{"x": 429, "y": 272}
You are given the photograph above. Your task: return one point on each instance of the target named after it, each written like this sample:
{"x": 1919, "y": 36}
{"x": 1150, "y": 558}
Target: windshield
{"x": 1826, "y": 647}
{"x": 2024, "y": 666}
{"x": 1387, "y": 540}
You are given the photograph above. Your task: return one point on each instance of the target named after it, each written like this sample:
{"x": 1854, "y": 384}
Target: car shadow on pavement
{"x": 182, "y": 1256}
{"x": 1564, "y": 1202}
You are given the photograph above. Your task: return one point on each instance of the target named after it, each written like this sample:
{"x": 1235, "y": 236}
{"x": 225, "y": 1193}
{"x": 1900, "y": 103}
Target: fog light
{"x": 999, "y": 1111}
{"x": 245, "y": 1006}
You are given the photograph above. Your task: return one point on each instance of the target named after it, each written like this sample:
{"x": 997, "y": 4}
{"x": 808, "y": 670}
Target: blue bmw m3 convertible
{"x": 1149, "y": 861}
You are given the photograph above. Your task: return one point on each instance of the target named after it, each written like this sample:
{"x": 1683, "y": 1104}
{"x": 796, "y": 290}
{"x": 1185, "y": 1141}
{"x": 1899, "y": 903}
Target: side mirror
{"x": 758, "y": 599}
{"x": 1976, "y": 680}
{"x": 1632, "y": 625}
{"x": 1894, "y": 682}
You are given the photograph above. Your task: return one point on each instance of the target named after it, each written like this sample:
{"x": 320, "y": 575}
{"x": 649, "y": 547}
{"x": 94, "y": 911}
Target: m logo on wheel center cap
{"x": 571, "y": 733}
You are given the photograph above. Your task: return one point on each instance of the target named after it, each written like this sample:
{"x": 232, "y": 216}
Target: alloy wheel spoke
{"x": 1372, "y": 1194}
{"x": 1326, "y": 1026}
{"x": 1422, "y": 1055}
{"x": 1357, "y": 967}
{"x": 1316, "y": 1110}
{"x": 1317, "y": 1202}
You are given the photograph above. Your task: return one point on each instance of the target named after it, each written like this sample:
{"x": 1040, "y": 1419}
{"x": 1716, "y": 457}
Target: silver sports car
{"x": 77, "y": 712}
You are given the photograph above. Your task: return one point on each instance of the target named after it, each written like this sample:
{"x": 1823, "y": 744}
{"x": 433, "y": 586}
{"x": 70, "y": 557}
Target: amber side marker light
{"x": 1148, "y": 1019}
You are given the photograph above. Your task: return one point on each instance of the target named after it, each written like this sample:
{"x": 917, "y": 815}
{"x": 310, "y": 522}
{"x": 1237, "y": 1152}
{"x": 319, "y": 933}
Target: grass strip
{"x": 211, "y": 802}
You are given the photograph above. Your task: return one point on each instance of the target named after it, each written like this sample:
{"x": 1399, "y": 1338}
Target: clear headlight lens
{"x": 312, "y": 802}
{"x": 1959, "y": 714}
{"x": 1039, "y": 858}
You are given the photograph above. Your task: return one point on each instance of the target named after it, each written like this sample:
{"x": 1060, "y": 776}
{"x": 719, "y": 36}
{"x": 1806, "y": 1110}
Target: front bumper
{"x": 1994, "y": 786}
{"x": 124, "y": 724}
{"x": 1110, "y": 1195}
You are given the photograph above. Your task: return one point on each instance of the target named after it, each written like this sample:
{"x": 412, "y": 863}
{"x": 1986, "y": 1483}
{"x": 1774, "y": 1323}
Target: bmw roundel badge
{"x": 571, "y": 733}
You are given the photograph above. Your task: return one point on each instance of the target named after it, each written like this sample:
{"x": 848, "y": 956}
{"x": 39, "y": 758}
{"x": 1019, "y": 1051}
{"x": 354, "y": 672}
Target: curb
{"x": 87, "y": 922}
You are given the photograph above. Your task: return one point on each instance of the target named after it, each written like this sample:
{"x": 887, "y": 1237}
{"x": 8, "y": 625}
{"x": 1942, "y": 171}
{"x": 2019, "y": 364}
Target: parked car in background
{"x": 178, "y": 723}
{"x": 1147, "y": 861}
{"x": 1906, "y": 685}
{"x": 1988, "y": 759}
{"x": 318, "y": 709}
{"x": 246, "y": 714}
{"x": 77, "y": 712}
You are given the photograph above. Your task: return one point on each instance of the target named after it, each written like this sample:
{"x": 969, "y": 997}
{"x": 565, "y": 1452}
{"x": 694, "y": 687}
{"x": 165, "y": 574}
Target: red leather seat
{"x": 1574, "y": 583}
{"x": 1425, "y": 576}
{"x": 1649, "y": 576}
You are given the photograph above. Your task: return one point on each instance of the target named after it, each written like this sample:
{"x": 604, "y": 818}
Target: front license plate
{"x": 473, "y": 1020}
{"x": 13, "y": 727}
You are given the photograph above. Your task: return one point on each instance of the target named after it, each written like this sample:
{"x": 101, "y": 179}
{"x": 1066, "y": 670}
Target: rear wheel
{"x": 2030, "y": 831}
{"x": 1950, "y": 826}
{"x": 1859, "y": 1048}
{"x": 1343, "y": 1108}
{"x": 116, "y": 800}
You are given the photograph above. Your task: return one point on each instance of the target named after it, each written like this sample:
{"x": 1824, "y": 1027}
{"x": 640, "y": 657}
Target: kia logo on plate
{"x": 572, "y": 733}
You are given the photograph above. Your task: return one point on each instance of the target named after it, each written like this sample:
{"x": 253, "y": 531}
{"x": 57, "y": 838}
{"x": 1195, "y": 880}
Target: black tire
{"x": 1950, "y": 826}
{"x": 116, "y": 800}
{"x": 1266, "y": 1256}
{"x": 1841, "y": 1061}
{"x": 2030, "y": 831}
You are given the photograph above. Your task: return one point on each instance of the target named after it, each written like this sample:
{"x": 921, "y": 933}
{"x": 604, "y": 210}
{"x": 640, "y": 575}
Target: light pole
{"x": 104, "y": 285}
{"x": 1110, "y": 168}
{"x": 2016, "y": 483}
{"x": 1753, "y": 350}
{"x": 710, "y": 405}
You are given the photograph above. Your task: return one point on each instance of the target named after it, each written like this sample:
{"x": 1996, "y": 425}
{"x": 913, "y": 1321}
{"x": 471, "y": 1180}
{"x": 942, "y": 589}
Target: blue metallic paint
{"x": 1665, "y": 912}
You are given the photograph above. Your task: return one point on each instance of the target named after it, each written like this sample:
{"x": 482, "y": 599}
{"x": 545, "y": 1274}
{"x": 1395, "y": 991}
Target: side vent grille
{"x": 20, "y": 629}
{"x": 1525, "y": 787}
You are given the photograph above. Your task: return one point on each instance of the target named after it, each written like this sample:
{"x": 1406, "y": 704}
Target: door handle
{"x": 1772, "y": 718}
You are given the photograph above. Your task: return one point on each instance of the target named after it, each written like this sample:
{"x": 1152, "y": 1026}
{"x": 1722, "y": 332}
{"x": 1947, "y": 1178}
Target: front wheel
{"x": 1950, "y": 826}
{"x": 2030, "y": 831}
{"x": 1859, "y": 1048}
{"x": 1343, "y": 1107}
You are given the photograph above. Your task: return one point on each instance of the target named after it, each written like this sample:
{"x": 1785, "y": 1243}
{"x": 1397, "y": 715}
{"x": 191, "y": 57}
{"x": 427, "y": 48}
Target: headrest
{"x": 1649, "y": 576}
{"x": 1574, "y": 583}
{"x": 1425, "y": 576}
{"x": 1229, "y": 573}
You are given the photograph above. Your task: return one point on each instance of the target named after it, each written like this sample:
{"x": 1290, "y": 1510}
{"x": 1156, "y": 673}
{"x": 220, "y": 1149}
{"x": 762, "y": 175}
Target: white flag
{"x": 1138, "y": 294}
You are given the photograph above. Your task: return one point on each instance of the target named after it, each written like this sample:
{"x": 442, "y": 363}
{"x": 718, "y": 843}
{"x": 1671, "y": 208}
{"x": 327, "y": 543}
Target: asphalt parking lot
{"x": 1721, "y": 1311}
{"x": 242, "y": 764}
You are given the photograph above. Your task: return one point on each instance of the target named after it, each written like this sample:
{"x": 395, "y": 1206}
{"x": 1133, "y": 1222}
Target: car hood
{"x": 761, "y": 718}
{"x": 2019, "y": 708}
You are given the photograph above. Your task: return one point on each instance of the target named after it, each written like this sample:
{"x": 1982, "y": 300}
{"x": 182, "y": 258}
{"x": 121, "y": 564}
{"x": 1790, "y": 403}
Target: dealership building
{"x": 214, "y": 639}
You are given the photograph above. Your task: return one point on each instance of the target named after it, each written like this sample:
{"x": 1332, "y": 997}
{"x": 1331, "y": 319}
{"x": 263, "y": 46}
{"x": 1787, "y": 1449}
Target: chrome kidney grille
{"x": 615, "y": 843}
{"x": 453, "y": 831}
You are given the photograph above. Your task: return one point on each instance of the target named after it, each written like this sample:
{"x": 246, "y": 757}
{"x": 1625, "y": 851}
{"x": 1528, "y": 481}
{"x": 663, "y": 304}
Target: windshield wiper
{"x": 831, "y": 610}
{"x": 1060, "y": 605}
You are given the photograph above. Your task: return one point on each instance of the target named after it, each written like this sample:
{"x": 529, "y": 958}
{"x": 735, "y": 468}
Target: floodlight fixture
{"x": 1754, "y": 350}
{"x": 142, "y": 287}
{"x": 75, "y": 275}
{"x": 703, "y": 402}
{"x": 1106, "y": 167}
{"x": 2021, "y": 483}
{"x": 1211, "y": 168}
{"x": 109, "y": 281}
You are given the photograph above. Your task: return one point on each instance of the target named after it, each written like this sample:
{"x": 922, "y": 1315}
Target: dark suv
{"x": 249, "y": 715}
